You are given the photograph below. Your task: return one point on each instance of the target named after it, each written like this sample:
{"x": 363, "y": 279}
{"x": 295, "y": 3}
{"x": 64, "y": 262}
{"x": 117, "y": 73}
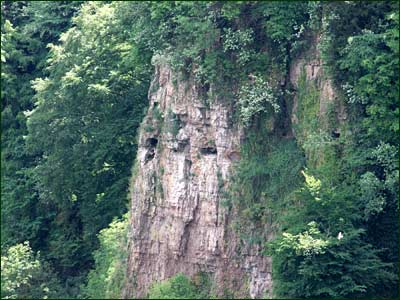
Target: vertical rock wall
{"x": 311, "y": 63}
{"x": 186, "y": 150}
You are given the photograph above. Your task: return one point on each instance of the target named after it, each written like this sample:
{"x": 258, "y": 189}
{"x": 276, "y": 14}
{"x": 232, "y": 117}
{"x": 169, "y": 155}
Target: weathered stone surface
{"x": 311, "y": 63}
{"x": 177, "y": 222}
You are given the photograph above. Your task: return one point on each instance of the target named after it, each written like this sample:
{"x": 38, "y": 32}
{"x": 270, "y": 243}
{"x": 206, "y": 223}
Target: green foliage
{"x": 256, "y": 97}
{"x": 284, "y": 20}
{"x": 284, "y": 24}
{"x": 180, "y": 287}
{"x": 237, "y": 42}
{"x": 17, "y": 192}
{"x": 17, "y": 269}
{"x": 204, "y": 285}
{"x": 346, "y": 268}
{"x": 218, "y": 44}
{"x": 65, "y": 172}
{"x": 306, "y": 243}
{"x": 23, "y": 275}
{"x": 84, "y": 123}
{"x": 313, "y": 128}
{"x": 354, "y": 187}
{"x": 328, "y": 257}
{"x": 261, "y": 180}
{"x": 307, "y": 111}
{"x": 348, "y": 190}
{"x": 23, "y": 58}
{"x": 157, "y": 114}
{"x": 172, "y": 123}
{"x": 372, "y": 194}
{"x": 360, "y": 46}
{"x": 47, "y": 21}
{"x": 106, "y": 280}
{"x": 371, "y": 61}
{"x": 61, "y": 217}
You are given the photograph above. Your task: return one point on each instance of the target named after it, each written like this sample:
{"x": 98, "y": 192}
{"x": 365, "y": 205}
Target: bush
{"x": 106, "y": 280}
{"x": 255, "y": 97}
{"x": 24, "y": 275}
{"x": 177, "y": 287}
{"x": 261, "y": 181}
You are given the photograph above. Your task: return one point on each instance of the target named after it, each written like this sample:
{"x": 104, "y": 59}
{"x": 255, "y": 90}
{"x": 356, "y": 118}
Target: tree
{"x": 106, "y": 279}
{"x": 176, "y": 287}
{"x": 84, "y": 126}
{"x": 24, "y": 25}
{"x": 322, "y": 253}
{"x": 24, "y": 275}
{"x": 354, "y": 196}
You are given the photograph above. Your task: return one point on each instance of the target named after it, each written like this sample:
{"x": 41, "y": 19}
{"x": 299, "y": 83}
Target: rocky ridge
{"x": 186, "y": 150}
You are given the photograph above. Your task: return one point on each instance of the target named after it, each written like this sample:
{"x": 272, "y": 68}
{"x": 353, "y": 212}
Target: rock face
{"x": 186, "y": 150}
{"x": 311, "y": 63}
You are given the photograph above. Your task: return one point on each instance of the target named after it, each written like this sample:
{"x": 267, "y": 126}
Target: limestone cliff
{"x": 310, "y": 65}
{"x": 186, "y": 150}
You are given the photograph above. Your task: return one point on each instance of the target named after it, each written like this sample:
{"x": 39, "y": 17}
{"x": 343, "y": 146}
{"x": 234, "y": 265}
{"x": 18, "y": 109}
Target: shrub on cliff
{"x": 105, "y": 281}
{"x": 176, "y": 287}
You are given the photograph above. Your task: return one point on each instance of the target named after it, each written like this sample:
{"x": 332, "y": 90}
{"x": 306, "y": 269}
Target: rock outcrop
{"x": 186, "y": 150}
{"x": 311, "y": 63}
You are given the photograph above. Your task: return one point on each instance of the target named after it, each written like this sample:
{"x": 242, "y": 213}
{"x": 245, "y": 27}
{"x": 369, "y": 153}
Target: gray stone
{"x": 177, "y": 223}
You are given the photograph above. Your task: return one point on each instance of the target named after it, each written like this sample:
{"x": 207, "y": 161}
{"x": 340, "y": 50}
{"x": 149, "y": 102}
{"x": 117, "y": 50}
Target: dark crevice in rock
{"x": 149, "y": 155}
{"x": 208, "y": 150}
{"x": 180, "y": 146}
{"x": 151, "y": 142}
{"x": 187, "y": 228}
{"x": 335, "y": 134}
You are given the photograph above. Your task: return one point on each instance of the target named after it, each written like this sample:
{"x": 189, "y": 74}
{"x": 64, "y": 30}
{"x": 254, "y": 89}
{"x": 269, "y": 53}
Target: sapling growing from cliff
{"x": 254, "y": 97}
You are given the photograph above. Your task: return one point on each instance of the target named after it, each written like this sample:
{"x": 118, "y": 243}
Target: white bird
{"x": 340, "y": 235}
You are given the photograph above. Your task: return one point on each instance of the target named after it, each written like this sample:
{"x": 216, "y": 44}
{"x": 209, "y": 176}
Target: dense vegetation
{"x": 74, "y": 86}
{"x": 69, "y": 120}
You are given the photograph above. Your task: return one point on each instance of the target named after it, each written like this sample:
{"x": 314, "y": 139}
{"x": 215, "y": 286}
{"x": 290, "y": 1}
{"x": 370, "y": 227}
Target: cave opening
{"x": 208, "y": 150}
